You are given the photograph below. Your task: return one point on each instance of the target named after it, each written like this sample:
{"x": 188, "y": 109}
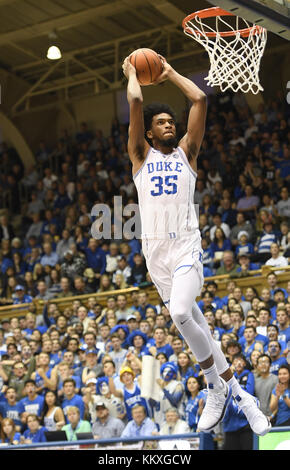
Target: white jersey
{"x": 165, "y": 184}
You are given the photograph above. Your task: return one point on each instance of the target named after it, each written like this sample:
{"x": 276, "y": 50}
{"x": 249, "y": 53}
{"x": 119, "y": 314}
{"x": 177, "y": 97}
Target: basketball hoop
{"x": 235, "y": 51}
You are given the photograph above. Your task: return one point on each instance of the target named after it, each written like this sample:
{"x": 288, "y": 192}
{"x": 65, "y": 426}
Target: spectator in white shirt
{"x": 276, "y": 260}
{"x": 217, "y": 220}
{"x": 123, "y": 268}
{"x": 252, "y": 128}
{"x": 112, "y": 258}
{"x": 173, "y": 424}
{"x": 49, "y": 178}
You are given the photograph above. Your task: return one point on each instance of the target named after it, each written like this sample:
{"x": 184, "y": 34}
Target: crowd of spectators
{"x": 78, "y": 369}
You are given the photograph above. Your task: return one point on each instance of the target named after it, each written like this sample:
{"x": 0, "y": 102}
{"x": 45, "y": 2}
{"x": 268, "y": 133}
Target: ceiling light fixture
{"x": 53, "y": 52}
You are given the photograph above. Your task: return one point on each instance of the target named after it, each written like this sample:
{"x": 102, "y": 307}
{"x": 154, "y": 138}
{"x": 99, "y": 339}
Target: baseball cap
{"x": 91, "y": 351}
{"x": 68, "y": 252}
{"x": 243, "y": 254}
{"x": 101, "y": 404}
{"x": 126, "y": 369}
{"x": 18, "y": 287}
{"x": 131, "y": 317}
{"x": 92, "y": 380}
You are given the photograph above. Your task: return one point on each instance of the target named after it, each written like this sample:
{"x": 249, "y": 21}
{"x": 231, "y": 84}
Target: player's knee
{"x": 179, "y": 314}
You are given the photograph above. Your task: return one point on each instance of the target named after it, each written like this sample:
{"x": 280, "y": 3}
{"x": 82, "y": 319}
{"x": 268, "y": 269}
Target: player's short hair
{"x": 156, "y": 108}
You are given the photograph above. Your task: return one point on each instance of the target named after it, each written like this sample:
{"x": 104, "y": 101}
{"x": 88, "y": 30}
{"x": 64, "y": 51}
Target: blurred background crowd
{"x": 79, "y": 369}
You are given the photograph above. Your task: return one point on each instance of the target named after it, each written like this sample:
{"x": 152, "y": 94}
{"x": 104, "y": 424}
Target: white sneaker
{"x": 259, "y": 423}
{"x": 215, "y": 407}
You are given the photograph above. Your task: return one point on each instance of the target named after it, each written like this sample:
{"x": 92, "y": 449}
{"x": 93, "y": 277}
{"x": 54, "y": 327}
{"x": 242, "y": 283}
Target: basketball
{"x": 147, "y": 64}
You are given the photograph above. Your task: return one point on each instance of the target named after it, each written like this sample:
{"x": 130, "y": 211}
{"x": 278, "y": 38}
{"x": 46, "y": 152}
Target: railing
{"x": 198, "y": 441}
{"x": 257, "y": 279}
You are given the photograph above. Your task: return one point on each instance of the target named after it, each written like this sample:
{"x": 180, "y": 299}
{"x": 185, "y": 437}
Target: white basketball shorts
{"x": 166, "y": 258}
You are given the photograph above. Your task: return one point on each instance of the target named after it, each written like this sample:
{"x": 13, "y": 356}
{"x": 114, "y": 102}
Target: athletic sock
{"x": 212, "y": 377}
{"x": 236, "y": 388}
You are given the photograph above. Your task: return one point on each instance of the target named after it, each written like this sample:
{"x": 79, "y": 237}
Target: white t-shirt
{"x": 279, "y": 262}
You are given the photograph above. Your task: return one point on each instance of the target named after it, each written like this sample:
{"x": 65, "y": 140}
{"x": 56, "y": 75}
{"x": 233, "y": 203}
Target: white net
{"x": 235, "y": 49}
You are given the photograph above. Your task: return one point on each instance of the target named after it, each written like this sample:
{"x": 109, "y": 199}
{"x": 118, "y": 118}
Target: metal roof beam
{"x": 168, "y": 10}
{"x": 84, "y": 50}
{"x": 68, "y": 21}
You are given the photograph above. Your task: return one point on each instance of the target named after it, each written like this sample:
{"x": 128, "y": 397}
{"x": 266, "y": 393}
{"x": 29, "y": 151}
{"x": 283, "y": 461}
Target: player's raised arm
{"x": 192, "y": 140}
{"x": 137, "y": 145}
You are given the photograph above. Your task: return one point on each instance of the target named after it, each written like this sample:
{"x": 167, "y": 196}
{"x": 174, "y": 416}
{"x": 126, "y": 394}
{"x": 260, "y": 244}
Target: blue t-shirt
{"x": 40, "y": 381}
{"x": 54, "y": 359}
{"x": 16, "y": 437}
{"x": 190, "y": 372}
{"x": 247, "y": 353}
{"x": 76, "y": 378}
{"x": 260, "y": 338}
{"x": 191, "y": 409}
{"x": 284, "y": 335}
{"x": 77, "y": 401}
{"x": 283, "y": 413}
{"x": 32, "y": 406}
{"x": 281, "y": 361}
{"x": 11, "y": 411}
{"x": 245, "y": 249}
{"x": 37, "y": 436}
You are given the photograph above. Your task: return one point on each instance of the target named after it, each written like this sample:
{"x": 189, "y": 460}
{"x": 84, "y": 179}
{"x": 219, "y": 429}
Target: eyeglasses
{"x": 19, "y": 368}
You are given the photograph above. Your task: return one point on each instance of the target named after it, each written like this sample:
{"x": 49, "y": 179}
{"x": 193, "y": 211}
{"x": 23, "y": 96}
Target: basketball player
{"x": 165, "y": 175}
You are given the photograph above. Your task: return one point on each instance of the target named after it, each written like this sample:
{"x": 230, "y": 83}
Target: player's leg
{"x": 257, "y": 420}
{"x": 186, "y": 285}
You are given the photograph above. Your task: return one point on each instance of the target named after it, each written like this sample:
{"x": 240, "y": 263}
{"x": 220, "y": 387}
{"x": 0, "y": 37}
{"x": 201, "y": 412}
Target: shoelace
{"x": 215, "y": 399}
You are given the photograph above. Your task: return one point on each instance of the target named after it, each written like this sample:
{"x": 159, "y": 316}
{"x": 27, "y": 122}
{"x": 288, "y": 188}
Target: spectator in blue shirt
{"x": 10, "y": 408}
{"x": 242, "y": 373}
{"x": 273, "y": 335}
{"x": 212, "y": 287}
{"x": 96, "y": 257}
{"x": 274, "y": 351}
{"x": 249, "y": 343}
{"x": 208, "y": 255}
{"x": 244, "y": 246}
{"x": 160, "y": 343}
{"x": 8, "y": 433}
{"x": 62, "y": 200}
{"x": 49, "y": 257}
{"x": 245, "y": 265}
{"x": 280, "y": 399}
{"x": 283, "y": 324}
{"x": 207, "y": 272}
{"x": 140, "y": 425}
{"x": 35, "y": 432}
{"x": 220, "y": 243}
{"x": 71, "y": 398}
{"x": 32, "y": 402}
{"x": 20, "y": 296}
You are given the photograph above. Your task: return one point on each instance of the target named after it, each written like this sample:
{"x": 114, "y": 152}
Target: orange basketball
{"x": 147, "y": 64}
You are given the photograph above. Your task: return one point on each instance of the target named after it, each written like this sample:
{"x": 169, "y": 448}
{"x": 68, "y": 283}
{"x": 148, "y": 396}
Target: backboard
{"x": 274, "y": 15}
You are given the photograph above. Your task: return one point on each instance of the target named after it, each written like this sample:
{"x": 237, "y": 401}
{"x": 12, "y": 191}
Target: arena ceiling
{"x": 94, "y": 37}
